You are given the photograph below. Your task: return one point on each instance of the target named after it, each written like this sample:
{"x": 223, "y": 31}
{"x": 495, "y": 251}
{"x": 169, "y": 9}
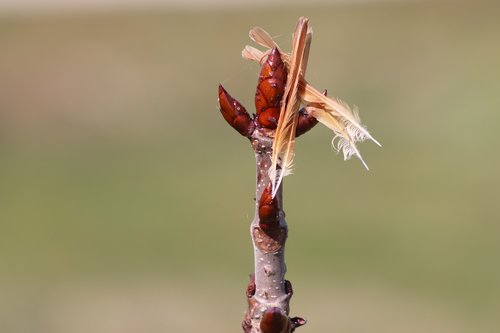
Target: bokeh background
{"x": 125, "y": 199}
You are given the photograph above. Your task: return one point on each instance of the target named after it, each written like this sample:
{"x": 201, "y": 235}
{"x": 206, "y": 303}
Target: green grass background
{"x": 125, "y": 199}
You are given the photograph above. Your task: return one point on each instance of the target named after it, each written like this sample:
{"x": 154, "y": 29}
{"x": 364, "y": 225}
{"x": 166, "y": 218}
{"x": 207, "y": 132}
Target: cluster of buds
{"x": 268, "y": 99}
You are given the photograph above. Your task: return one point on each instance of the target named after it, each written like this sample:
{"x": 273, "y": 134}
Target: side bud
{"x": 297, "y": 322}
{"x": 235, "y": 114}
{"x": 268, "y": 210}
{"x": 306, "y": 120}
{"x": 251, "y": 286}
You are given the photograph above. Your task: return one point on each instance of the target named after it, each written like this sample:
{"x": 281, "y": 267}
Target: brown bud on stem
{"x": 275, "y": 321}
{"x": 306, "y": 121}
{"x": 297, "y": 322}
{"x": 251, "y": 286}
{"x": 270, "y": 90}
{"x": 235, "y": 113}
{"x": 268, "y": 211}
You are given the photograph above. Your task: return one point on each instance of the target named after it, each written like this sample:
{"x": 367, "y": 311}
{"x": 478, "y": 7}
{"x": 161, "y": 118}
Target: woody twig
{"x": 279, "y": 120}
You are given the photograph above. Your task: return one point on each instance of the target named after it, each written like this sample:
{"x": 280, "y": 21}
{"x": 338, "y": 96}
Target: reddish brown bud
{"x": 275, "y": 321}
{"x": 305, "y": 121}
{"x": 297, "y": 322}
{"x": 235, "y": 113}
{"x": 247, "y": 324}
{"x": 274, "y": 66}
{"x": 268, "y": 210}
{"x": 251, "y": 286}
{"x": 270, "y": 89}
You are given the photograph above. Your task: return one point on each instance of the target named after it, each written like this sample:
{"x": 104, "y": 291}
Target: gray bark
{"x": 269, "y": 291}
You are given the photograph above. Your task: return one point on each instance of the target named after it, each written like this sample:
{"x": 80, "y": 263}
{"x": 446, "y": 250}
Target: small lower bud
{"x": 288, "y": 288}
{"x": 275, "y": 321}
{"x": 247, "y": 325}
{"x": 268, "y": 210}
{"x": 297, "y": 322}
{"x": 251, "y": 286}
{"x": 306, "y": 121}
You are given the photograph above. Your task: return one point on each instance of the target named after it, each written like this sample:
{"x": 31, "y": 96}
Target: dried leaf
{"x": 284, "y": 141}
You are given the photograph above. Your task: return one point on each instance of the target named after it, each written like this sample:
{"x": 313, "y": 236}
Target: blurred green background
{"x": 125, "y": 198}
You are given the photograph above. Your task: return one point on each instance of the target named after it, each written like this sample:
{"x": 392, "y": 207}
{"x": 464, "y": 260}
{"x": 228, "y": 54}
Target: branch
{"x": 281, "y": 88}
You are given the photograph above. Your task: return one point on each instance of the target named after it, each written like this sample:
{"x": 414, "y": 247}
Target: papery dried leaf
{"x": 251, "y": 53}
{"x": 262, "y": 37}
{"x": 338, "y": 108}
{"x": 284, "y": 141}
{"x": 343, "y": 140}
{"x": 333, "y": 113}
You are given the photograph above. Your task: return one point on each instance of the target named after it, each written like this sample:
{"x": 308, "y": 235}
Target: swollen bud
{"x": 275, "y": 321}
{"x": 268, "y": 210}
{"x": 270, "y": 90}
{"x": 306, "y": 121}
{"x": 235, "y": 114}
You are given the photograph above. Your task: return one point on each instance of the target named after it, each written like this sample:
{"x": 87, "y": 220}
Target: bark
{"x": 268, "y": 292}
{"x": 269, "y": 246}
